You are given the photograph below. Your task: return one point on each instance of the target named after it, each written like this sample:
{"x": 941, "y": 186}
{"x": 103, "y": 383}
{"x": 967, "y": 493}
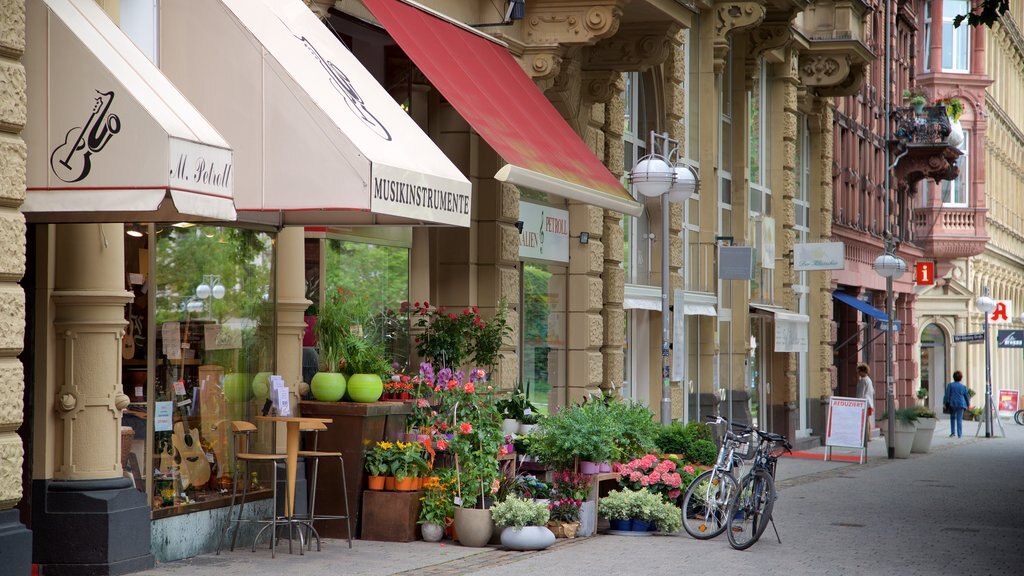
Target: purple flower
{"x": 444, "y": 375}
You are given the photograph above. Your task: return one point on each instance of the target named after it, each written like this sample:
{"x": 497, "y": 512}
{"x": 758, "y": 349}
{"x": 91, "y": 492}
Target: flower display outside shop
{"x": 449, "y": 339}
{"x": 653, "y": 474}
{"x": 565, "y": 510}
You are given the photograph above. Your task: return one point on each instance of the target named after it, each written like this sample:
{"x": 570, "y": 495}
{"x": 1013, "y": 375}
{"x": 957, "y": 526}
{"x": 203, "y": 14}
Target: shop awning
{"x": 486, "y": 85}
{"x": 790, "y": 327}
{"x": 860, "y": 305}
{"x": 640, "y": 297}
{"x": 317, "y": 139}
{"x": 109, "y": 138}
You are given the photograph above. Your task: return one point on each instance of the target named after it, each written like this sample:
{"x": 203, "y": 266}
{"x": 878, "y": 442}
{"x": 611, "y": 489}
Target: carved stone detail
{"x": 600, "y": 85}
{"x": 636, "y": 47}
{"x": 730, "y": 17}
{"x": 831, "y": 74}
{"x": 572, "y": 21}
{"x": 770, "y": 36}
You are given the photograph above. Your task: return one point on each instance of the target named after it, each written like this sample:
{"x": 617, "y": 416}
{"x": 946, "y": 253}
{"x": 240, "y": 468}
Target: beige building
{"x": 743, "y": 88}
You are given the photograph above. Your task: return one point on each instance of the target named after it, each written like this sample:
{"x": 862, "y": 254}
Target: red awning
{"x": 491, "y": 91}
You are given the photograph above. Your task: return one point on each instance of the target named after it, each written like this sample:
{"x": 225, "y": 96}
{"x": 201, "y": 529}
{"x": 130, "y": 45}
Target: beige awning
{"x": 317, "y": 139}
{"x": 109, "y": 137}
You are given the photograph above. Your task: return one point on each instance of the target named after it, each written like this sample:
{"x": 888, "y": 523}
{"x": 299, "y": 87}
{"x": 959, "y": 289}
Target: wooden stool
{"x": 316, "y": 455}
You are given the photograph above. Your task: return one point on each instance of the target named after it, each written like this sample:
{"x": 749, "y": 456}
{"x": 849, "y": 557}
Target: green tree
{"x": 985, "y": 13}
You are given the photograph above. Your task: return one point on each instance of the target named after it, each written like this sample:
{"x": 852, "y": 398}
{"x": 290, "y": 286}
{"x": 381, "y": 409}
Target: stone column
{"x": 291, "y": 303}
{"x": 88, "y": 518}
{"x": 15, "y": 539}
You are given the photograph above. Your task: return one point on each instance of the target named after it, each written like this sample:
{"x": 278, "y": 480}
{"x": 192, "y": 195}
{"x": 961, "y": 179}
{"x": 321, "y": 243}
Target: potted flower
{"x": 655, "y": 475}
{"x": 564, "y": 518}
{"x": 436, "y": 509}
{"x": 378, "y": 464}
{"x": 575, "y": 486}
{"x": 524, "y": 524}
{"x": 407, "y": 464}
{"x": 639, "y": 511}
{"x": 924, "y": 430}
{"x": 916, "y": 99}
{"x": 331, "y": 328}
{"x": 364, "y": 361}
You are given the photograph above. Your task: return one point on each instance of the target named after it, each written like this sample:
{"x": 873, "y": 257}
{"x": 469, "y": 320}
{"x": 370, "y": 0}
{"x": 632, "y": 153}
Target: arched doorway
{"x": 933, "y": 364}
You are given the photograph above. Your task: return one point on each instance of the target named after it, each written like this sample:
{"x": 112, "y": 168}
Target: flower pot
{"x": 620, "y": 525}
{"x": 588, "y": 519}
{"x": 376, "y": 483}
{"x": 405, "y": 396}
{"x": 923, "y": 436}
{"x": 587, "y": 467}
{"x": 473, "y": 526}
{"x": 527, "y": 538}
{"x": 526, "y": 428}
{"x": 563, "y": 529}
{"x": 904, "y": 440}
{"x": 509, "y": 426}
{"x": 328, "y": 386}
{"x": 389, "y": 482}
{"x": 261, "y": 385}
{"x": 637, "y": 525}
{"x": 432, "y": 532}
{"x": 365, "y": 388}
{"x": 405, "y": 484}
{"x": 604, "y": 467}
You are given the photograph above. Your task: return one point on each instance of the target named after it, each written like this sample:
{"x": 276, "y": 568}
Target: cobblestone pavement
{"x": 955, "y": 511}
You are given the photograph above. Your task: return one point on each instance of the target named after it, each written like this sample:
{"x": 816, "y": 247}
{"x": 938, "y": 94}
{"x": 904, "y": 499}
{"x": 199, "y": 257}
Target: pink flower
{"x": 465, "y": 427}
{"x": 673, "y": 494}
{"x": 422, "y": 403}
{"x": 469, "y": 387}
{"x": 495, "y": 485}
{"x": 635, "y": 476}
{"x": 645, "y": 481}
{"x": 688, "y": 469}
{"x": 442, "y": 444}
{"x": 502, "y": 451}
{"x": 655, "y": 477}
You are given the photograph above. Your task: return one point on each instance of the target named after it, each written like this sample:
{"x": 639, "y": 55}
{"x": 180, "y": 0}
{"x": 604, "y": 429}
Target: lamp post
{"x": 987, "y": 305}
{"x": 210, "y": 286}
{"x": 891, "y": 267}
{"x": 657, "y": 175}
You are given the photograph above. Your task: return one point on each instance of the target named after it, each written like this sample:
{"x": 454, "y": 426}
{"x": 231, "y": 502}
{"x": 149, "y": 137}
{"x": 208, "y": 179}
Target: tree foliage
{"x": 984, "y": 14}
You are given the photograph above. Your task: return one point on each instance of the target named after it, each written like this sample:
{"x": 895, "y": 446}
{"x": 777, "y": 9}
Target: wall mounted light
{"x": 519, "y": 226}
{"x": 584, "y": 237}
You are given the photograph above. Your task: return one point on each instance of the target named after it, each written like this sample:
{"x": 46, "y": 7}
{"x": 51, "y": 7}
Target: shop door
{"x": 933, "y": 364}
{"x": 759, "y": 372}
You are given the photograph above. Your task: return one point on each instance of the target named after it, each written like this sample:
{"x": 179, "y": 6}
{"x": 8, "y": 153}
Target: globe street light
{"x": 655, "y": 175}
{"x": 987, "y": 306}
{"x": 891, "y": 267}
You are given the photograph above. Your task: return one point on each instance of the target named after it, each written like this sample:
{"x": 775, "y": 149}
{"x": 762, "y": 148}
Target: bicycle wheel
{"x": 751, "y": 510}
{"x": 706, "y": 502}
{"x": 1018, "y": 417}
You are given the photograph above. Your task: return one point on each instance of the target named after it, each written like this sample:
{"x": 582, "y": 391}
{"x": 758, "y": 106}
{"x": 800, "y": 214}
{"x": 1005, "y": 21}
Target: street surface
{"x": 956, "y": 511}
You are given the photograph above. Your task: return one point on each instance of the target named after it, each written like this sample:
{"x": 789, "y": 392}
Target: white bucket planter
{"x": 923, "y": 437}
{"x": 509, "y": 426}
{"x": 527, "y": 538}
{"x": 526, "y": 428}
{"x": 588, "y": 519}
{"x": 956, "y": 134}
{"x": 904, "y": 439}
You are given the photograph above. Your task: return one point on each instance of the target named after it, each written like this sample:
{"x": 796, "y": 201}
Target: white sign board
{"x": 790, "y": 336}
{"x": 819, "y": 256}
{"x": 768, "y": 242}
{"x": 545, "y": 234}
{"x": 163, "y": 418}
{"x": 847, "y": 418}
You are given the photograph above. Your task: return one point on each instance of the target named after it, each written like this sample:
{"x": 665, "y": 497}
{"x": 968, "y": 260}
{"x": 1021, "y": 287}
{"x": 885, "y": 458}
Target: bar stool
{"x": 316, "y": 455}
{"x": 242, "y": 431}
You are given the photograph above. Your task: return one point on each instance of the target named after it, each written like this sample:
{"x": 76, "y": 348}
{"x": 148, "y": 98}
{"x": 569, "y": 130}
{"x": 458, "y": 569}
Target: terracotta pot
{"x": 405, "y": 484}
{"x": 389, "y": 482}
{"x": 376, "y": 483}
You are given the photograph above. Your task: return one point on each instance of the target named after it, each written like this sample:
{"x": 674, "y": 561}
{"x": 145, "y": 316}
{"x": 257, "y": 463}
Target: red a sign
{"x": 924, "y": 273}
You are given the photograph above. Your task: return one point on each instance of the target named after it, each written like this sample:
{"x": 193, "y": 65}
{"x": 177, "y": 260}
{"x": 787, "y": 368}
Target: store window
{"x": 543, "y": 334}
{"x": 198, "y": 354}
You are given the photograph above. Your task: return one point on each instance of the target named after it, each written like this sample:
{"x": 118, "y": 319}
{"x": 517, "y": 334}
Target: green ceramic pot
{"x": 328, "y": 386}
{"x": 261, "y": 385}
{"x": 365, "y": 388}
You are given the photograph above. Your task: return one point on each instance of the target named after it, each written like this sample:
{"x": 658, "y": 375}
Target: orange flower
{"x": 465, "y": 427}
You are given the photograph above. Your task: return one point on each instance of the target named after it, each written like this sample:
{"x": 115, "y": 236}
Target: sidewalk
{"x": 446, "y": 558}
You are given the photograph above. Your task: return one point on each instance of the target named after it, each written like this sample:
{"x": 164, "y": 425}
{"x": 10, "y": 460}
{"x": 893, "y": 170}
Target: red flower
{"x": 451, "y": 316}
{"x": 452, "y": 384}
{"x": 465, "y": 427}
{"x": 426, "y": 304}
{"x": 442, "y": 444}
{"x": 469, "y": 387}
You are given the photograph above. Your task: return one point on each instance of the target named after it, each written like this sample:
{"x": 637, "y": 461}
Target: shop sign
{"x": 790, "y": 336}
{"x": 1003, "y": 314}
{"x": 1008, "y": 400}
{"x": 819, "y": 256}
{"x": 1010, "y": 339}
{"x": 545, "y": 234}
{"x": 768, "y": 242}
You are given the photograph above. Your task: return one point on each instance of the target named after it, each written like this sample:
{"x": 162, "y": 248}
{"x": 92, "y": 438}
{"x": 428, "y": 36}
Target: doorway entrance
{"x": 933, "y": 364}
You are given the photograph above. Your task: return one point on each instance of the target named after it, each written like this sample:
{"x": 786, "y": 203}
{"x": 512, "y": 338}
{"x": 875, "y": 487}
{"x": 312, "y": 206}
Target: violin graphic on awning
{"x": 72, "y": 160}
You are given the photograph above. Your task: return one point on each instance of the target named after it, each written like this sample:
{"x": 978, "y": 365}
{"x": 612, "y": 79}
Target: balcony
{"x": 946, "y": 233}
{"x": 836, "y": 57}
{"x": 920, "y": 149}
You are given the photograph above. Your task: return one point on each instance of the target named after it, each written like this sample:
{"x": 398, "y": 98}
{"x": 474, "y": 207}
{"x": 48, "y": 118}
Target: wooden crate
{"x": 390, "y": 516}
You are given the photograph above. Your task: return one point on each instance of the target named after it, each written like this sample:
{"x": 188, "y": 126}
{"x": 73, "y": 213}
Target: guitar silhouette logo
{"x": 72, "y": 160}
{"x": 344, "y": 86}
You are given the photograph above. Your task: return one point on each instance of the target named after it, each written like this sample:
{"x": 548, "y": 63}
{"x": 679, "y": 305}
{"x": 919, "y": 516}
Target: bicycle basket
{"x": 745, "y": 447}
{"x": 776, "y": 449}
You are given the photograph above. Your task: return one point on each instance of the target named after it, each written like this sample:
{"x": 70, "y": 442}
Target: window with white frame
{"x": 956, "y": 42}
{"x": 760, "y": 193}
{"x": 927, "y": 35}
{"x": 139, "y": 20}
{"x": 636, "y": 257}
{"x": 956, "y": 192}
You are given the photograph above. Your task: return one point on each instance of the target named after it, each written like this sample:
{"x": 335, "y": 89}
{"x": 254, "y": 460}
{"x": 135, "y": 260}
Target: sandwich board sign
{"x": 845, "y": 427}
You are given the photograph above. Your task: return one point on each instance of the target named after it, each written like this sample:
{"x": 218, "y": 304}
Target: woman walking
{"x": 866, "y": 390}
{"x": 958, "y": 400}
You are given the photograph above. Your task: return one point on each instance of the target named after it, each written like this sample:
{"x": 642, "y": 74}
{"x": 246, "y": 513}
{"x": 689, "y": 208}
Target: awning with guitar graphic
{"x": 110, "y": 139}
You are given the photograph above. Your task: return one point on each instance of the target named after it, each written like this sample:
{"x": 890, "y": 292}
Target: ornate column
{"x": 15, "y": 539}
{"x": 89, "y": 518}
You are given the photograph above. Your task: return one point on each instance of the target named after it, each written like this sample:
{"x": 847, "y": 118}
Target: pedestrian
{"x": 958, "y": 399}
{"x": 866, "y": 390}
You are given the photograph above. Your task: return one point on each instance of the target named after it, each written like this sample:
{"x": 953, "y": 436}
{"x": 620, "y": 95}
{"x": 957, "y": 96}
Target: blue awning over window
{"x": 860, "y": 305}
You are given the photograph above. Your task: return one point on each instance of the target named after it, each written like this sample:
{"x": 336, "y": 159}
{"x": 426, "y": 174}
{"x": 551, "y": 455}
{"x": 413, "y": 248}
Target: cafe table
{"x": 294, "y": 426}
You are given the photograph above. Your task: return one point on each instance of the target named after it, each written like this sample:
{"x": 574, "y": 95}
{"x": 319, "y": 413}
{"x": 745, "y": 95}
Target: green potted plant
{"x": 564, "y": 518}
{"x": 364, "y": 362}
{"x": 331, "y": 329}
{"x": 906, "y": 419}
{"x": 576, "y": 433}
{"x": 639, "y": 511}
{"x": 524, "y": 524}
{"x": 436, "y": 508}
{"x": 916, "y": 99}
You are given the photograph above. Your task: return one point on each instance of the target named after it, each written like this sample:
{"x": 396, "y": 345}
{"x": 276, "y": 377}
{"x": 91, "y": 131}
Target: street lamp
{"x": 987, "y": 306}
{"x": 891, "y": 267}
{"x": 657, "y": 175}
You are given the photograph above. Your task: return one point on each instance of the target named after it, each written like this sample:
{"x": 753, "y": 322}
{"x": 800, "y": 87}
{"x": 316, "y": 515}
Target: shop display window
{"x": 198, "y": 354}
{"x": 544, "y": 347}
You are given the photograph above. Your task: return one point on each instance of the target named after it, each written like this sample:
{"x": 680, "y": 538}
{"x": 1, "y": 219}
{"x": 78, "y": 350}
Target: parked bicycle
{"x": 1018, "y": 417}
{"x": 706, "y": 502}
{"x": 750, "y": 510}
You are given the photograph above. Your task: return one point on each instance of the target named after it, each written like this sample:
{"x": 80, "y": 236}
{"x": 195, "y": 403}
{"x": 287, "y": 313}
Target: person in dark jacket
{"x": 958, "y": 399}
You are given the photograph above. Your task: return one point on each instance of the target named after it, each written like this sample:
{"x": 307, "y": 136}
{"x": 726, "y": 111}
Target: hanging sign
{"x": 819, "y": 256}
{"x": 924, "y": 273}
{"x": 545, "y": 234}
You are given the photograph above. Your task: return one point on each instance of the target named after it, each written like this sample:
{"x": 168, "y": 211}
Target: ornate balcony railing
{"x": 928, "y": 127}
{"x": 920, "y": 147}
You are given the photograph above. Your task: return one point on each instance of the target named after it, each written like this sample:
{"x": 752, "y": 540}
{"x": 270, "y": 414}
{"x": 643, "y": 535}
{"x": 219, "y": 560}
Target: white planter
{"x": 956, "y": 134}
{"x": 904, "y": 440}
{"x": 509, "y": 426}
{"x": 527, "y": 538}
{"x": 923, "y": 437}
{"x": 432, "y": 532}
{"x": 588, "y": 519}
{"x": 526, "y": 428}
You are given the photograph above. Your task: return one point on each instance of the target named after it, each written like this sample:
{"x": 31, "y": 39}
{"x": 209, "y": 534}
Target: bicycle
{"x": 707, "y": 499}
{"x": 1018, "y": 417}
{"x": 750, "y": 510}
